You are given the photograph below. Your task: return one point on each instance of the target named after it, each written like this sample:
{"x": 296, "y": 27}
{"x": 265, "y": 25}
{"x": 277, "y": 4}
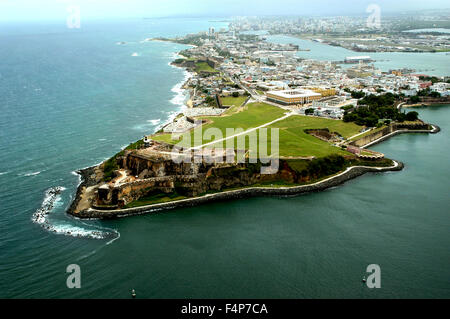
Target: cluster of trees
{"x": 355, "y": 94}
{"x": 424, "y": 93}
{"x": 324, "y": 166}
{"x": 433, "y": 79}
{"x": 210, "y": 101}
{"x": 309, "y": 111}
{"x": 372, "y": 108}
{"x": 109, "y": 169}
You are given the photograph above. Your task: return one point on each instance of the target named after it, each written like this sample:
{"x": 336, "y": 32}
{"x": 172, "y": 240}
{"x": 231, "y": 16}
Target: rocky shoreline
{"x": 87, "y": 180}
{"x": 333, "y": 181}
{"x": 88, "y": 177}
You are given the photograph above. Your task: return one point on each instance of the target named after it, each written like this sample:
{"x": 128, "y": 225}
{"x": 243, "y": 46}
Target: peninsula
{"x": 255, "y": 125}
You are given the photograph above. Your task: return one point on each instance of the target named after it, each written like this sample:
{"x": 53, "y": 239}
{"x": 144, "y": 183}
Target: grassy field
{"x": 233, "y": 101}
{"x": 204, "y": 67}
{"x": 293, "y": 141}
{"x": 253, "y": 115}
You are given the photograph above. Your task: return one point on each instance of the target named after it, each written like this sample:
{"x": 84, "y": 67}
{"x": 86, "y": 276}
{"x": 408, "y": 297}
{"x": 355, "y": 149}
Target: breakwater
{"x": 348, "y": 174}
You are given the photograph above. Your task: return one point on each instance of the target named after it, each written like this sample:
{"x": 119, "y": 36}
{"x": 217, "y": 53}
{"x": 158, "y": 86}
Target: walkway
{"x": 243, "y": 133}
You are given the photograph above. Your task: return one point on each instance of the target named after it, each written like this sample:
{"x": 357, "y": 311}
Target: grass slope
{"x": 293, "y": 141}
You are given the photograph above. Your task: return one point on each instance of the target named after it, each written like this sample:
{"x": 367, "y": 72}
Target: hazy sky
{"x": 90, "y": 9}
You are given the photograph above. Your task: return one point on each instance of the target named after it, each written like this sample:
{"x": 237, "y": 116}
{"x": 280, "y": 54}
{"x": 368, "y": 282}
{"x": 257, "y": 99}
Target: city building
{"x": 290, "y": 97}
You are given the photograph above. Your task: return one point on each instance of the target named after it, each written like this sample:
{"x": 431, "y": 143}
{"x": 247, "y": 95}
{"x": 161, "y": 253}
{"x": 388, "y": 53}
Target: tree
{"x": 412, "y": 116}
{"x": 415, "y": 99}
{"x": 235, "y": 94}
{"x": 358, "y": 95}
{"x": 435, "y": 94}
{"x": 401, "y": 117}
{"x": 309, "y": 111}
{"x": 210, "y": 100}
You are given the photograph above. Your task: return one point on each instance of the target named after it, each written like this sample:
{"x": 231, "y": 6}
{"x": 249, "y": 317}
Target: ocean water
{"x": 437, "y": 64}
{"x": 72, "y": 98}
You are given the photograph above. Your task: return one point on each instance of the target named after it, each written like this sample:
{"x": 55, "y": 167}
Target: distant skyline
{"x": 35, "y": 10}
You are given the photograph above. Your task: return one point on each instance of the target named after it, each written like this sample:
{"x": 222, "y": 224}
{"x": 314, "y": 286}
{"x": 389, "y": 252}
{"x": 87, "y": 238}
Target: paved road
{"x": 244, "y": 133}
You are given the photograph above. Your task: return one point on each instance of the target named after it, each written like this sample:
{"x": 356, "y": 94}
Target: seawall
{"x": 333, "y": 181}
{"x": 436, "y": 129}
{"x": 389, "y": 132}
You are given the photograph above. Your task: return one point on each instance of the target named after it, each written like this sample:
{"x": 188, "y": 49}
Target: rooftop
{"x": 294, "y": 93}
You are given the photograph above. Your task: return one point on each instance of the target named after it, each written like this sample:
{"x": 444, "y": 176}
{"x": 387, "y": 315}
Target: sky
{"x": 41, "y": 10}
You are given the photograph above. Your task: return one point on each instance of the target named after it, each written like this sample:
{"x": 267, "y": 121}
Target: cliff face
{"x": 163, "y": 176}
{"x": 144, "y": 167}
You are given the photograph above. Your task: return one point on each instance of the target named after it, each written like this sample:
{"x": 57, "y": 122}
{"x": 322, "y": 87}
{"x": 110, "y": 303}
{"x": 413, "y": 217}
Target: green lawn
{"x": 233, "y": 101}
{"x": 253, "y": 115}
{"x": 293, "y": 141}
{"x": 204, "y": 67}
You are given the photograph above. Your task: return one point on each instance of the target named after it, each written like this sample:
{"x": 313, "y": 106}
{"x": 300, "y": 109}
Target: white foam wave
{"x": 52, "y": 199}
{"x": 180, "y": 93}
{"x": 78, "y": 176}
{"x": 154, "y": 122}
{"x": 51, "y": 196}
{"x": 30, "y": 174}
{"x": 96, "y": 250}
{"x": 3, "y": 173}
{"x": 135, "y": 54}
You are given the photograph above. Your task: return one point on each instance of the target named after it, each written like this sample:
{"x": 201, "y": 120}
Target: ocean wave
{"x": 148, "y": 126}
{"x": 154, "y": 122}
{"x": 52, "y": 199}
{"x": 80, "y": 232}
{"x": 135, "y": 54}
{"x": 180, "y": 93}
{"x": 3, "y": 173}
{"x": 52, "y": 195}
{"x": 30, "y": 174}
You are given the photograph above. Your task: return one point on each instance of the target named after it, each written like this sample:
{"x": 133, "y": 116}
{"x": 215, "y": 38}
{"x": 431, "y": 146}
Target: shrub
{"x": 412, "y": 116}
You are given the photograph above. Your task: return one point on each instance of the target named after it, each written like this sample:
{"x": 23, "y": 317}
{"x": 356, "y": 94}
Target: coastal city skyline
{"x": 54, "y": 10}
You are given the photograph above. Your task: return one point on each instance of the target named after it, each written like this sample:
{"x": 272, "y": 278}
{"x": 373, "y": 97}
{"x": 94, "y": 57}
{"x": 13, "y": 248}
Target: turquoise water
{"x": 71, "y": 98}
{"x": 437, "y": 64}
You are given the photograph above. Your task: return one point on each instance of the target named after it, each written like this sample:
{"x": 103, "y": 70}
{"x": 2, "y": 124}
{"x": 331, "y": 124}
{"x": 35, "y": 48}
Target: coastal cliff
{"x": 154, "y": 182}
{"x": 333, "y": 181}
